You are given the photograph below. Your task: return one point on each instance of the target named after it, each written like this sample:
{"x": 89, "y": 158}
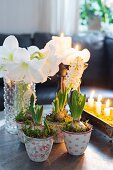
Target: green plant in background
{"x": 91, "y": 8}
{"x": 76, "y": 104}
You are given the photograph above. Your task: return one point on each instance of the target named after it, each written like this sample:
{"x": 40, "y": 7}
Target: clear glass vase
{"x": 16, "y": 98}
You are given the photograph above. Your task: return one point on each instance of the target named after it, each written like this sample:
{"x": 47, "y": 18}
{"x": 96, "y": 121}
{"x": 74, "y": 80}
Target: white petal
{"x": 35, "y": 69}
{"x": 11, "y": 43}
{"x": 14, "y": 72}
{"x": 4, "y": 53}
{"x": 21, "y": 54}
{"x": 33, "y": 49}
{"x": 85, "y": 55}
{"x": 50, "y": 70}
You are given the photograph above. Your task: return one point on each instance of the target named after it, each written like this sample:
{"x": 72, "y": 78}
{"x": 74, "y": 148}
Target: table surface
{"x": 98, "y": 155}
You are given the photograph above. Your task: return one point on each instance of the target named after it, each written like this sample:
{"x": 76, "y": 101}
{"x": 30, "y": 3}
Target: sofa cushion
{"x": 109, "y": 56}
{"x": 40, "y": 39}
{"x": 96, "y": 73}
{"x": 45, "y": 95}
{"x": 23, "y": 39}
{"x": 1, "y": 98}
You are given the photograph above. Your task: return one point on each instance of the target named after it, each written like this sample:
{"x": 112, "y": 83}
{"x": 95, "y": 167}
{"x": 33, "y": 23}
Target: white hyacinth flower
{"x": 74, "y": 74}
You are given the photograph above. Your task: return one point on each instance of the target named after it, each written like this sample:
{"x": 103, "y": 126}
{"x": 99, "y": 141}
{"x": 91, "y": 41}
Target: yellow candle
{"x": 107, "y": 108}
{"x": 91, "y": 99}
{"x": 99, "y": 105}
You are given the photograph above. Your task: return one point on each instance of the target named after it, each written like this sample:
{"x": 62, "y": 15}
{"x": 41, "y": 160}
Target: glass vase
{"x": 16, "y": 98}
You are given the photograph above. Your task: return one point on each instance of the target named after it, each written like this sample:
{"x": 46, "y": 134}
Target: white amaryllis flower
{"x": 52, "y": 61}
{"x": 24, "y": 68}
{"x": 33, "y": 49}
{"x": 71, "y": 54}
{"x": 68, "y": 55}
{"x": 10, "y": 44}
{"x": 74, "y": 74}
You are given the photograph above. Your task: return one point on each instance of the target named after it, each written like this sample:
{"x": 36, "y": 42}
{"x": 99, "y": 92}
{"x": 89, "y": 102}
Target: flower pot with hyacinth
{"x": 38, "y": 138}
{"x": 77, "y": 133}
{"x": 59, "y": 115}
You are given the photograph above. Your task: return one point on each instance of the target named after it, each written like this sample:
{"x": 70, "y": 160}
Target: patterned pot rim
{"x": 39, "y": 139}
{"x": 78, "y": 133}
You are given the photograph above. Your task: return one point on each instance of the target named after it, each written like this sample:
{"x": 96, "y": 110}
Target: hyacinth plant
{"x": 77, "y": 64}
{"x": 59, "y": 113}
{"x": 76, "y": 103}
{"x": 32, "y": 121}
{"x": 31, "y": 116}
{"x": 76, "y": 100}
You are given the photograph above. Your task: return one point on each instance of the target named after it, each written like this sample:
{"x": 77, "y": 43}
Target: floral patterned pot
{"x": 59, "y": 136}
{"x": 20, "y": 132}
{"x": 76, "y": 143}
{"x": 38, "y": 150}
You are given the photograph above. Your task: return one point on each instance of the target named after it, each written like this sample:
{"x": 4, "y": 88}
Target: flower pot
{"x": 38, "y": 149}
{"x": 58, "y": 136}
{"x": 20, "y": 132}
{"x": 76, "y": 143}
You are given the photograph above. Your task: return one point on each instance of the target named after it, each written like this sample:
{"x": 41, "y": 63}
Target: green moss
{"x": 77, "y": 127}
{"x": 38, "y": 133}
{"x": 55, "y": 117}
{"x": 21, "y": 117}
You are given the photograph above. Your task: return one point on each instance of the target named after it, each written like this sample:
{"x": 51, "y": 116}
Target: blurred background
{"x": 55, "y": 16}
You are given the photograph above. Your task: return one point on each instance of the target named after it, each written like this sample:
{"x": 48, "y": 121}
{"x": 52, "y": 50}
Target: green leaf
{"x": 46, "y": 126}
{"x": 60, "y": 100}
{"x": 38, "y": 114}
{"x": 76, "y": 104}
{"x": 31, "y": 107}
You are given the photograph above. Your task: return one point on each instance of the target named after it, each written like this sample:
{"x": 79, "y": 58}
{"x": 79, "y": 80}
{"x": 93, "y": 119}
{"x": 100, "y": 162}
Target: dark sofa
{"x": 99, "y": 74}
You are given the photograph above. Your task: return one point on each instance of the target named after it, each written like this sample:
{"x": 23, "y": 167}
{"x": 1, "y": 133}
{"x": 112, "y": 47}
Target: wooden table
{"x": 98, "y": 155}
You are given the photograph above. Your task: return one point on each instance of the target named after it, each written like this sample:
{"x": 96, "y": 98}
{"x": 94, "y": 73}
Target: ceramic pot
{"x": 58, "y": 136}
{"x": 20, "y": 132}
{"x": 76, "y": 143}
{"x": 38, "y": 149}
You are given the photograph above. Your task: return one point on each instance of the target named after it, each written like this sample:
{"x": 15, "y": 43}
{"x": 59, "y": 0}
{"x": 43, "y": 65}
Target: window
{"x": 100, "y": 8}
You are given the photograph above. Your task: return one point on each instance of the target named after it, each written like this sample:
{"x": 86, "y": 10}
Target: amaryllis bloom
{"x": 68, "y": 55}
{"x": 52, "y": 61}
{"x": 33, "y": 49}
{"x": 6, "y": 52}
{"x": 71, "y": 54}
{"x": 24, "y": 68}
